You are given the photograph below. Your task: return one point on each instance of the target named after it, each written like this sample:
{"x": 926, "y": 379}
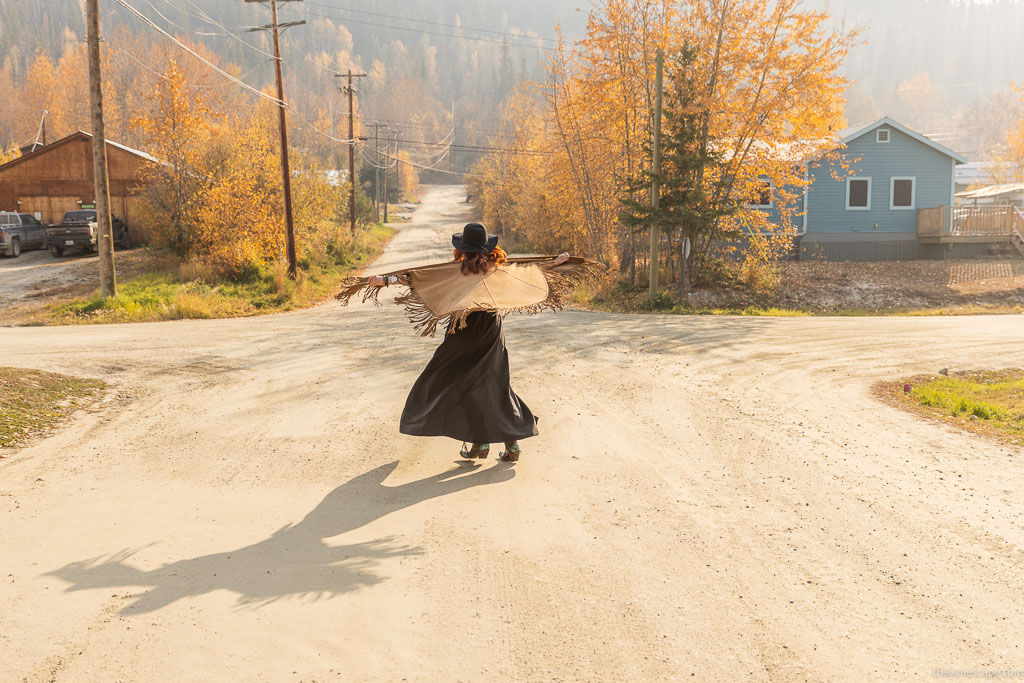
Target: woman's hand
{"x": 561, "y": 258}
{"x": 376, "y": 281}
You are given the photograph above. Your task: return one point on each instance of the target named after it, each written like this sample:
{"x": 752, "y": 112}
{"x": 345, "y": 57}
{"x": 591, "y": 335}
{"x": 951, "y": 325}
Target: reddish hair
{"x": 480, "y": 263}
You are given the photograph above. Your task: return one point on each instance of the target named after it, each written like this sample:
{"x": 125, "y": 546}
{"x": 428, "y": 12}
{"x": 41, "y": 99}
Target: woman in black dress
{"x": 464, "y": 392}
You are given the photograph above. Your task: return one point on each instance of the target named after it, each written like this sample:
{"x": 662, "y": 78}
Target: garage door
{"x": 51, "y": 209}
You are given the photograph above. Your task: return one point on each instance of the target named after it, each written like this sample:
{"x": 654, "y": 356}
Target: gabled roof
{"x": 77, "y": 135}
{"x": 992, "y": 191}
{"x": 848, "y": 135}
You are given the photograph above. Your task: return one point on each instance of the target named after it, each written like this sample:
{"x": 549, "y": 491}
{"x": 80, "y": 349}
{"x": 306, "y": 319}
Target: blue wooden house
{"x": 888, "y": 195}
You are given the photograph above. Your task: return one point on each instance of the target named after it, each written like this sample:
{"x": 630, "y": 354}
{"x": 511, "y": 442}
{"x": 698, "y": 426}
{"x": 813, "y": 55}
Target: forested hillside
{"x": 941, "y": 66}
{"x": 425, "y": 59}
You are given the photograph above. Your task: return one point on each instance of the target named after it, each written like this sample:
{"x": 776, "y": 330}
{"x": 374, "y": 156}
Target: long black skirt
{"x": 464, "y": 392}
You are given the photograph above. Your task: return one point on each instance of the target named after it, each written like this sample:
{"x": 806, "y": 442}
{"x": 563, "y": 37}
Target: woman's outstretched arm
{"x": 378, "y": 280}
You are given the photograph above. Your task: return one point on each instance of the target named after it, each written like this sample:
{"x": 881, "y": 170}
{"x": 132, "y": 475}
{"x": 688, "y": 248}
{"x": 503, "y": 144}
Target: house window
{"x": 882, "y": 135}
{"x": 902, "y": 192}
{"x": 762, "y": 195}
{"x": 858, "y": 193}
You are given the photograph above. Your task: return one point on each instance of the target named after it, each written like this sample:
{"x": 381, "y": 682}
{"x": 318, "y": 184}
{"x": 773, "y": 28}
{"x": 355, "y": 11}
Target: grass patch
{"x": 178, "y": 291}
{"x": 32, "y": 401}
{"x": 990, "y": 402}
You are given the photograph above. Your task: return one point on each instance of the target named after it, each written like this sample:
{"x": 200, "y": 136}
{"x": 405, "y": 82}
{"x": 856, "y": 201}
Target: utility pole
{"x": 387, "y": 174}
{"x": 656, "y": 172}
{"x": 377, "y": 125}
{"x": 389, "y": 162}
{"x": 286, "y": 175}
{"x": 101, "y": 184}
{"x": 376, "y": 170}
{"x": 348, "y": 89}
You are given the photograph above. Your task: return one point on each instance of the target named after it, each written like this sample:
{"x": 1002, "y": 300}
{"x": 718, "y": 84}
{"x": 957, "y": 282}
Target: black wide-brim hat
{"x": 474, "y": 240}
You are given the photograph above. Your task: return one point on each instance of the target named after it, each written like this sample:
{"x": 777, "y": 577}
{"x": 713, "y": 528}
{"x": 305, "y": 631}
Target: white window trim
{"x": 913, "y": 193}
{"x": 849, "y": 179}
{"x": 771, "y": 197}
{"x": 888, "y": 136}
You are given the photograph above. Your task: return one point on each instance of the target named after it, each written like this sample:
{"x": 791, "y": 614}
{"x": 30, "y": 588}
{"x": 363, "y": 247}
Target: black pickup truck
{"x": 20, "y": 231}
{"x": 79, "y": 229}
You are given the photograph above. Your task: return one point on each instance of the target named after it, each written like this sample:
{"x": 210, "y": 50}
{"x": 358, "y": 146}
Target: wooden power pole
{"x": 376, "y": 170}
{"x": 377, "y": 125}
{"x": 101, "y": 184}
{"x": 656, "y": 172}
{"x": 350, "y": 91}
{"x": 286, "y": 175}
{"x": 387, "y": 170}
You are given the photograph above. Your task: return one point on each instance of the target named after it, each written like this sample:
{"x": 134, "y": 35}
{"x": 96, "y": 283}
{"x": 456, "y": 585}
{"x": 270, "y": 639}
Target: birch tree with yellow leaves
{"x": 767, "y": 91}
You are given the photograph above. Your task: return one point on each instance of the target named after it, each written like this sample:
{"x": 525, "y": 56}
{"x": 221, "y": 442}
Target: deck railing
{"x": 932, "y": 222}
{"x": 969, "y": 221}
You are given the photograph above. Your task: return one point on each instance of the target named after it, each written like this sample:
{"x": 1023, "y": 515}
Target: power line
{"x": 225, "y": 74}
{"x": 483, "y": 148}
{"x": 208, "y": 18}
{"x": 440, "y": 127}
{"x": 198, "y": 56}
{"x": 413, "y": 30}
{"x": 435, "y": 23}
{"x": 420, "y": 166}
{"x": 177, "y": 25}
{"x": 203, "y": 16}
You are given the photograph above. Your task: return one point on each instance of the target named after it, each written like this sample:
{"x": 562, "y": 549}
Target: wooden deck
{"x": 941, "y": 225}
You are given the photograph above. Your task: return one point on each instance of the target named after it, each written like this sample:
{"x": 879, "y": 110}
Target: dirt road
{"x": 36, "y": 273}
{"x": 710, "y": 499}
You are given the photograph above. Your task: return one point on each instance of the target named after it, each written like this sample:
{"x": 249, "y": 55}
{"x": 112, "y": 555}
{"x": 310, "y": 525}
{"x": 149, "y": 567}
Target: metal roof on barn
{"x": 77, "y": 135}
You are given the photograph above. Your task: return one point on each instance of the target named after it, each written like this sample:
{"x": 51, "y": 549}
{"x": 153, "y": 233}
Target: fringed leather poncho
{"x": 441, "y": 295}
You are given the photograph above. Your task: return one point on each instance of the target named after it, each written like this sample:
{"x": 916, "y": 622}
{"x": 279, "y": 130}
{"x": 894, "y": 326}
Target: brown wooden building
{"x": 58, "y": 178}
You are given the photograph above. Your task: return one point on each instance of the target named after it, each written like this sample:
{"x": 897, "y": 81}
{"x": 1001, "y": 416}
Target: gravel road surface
{"x": 710, "y": 498}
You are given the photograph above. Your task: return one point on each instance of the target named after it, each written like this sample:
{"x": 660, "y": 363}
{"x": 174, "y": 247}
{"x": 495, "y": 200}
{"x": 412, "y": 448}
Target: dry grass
{"x": 162, "y": 288}
{"x": 964, "y": 287}
{"x": 32, "y": 401}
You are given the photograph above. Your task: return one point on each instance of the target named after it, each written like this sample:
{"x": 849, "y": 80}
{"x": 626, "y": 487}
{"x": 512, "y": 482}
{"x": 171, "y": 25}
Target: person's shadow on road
{"x": 294, "y": 561}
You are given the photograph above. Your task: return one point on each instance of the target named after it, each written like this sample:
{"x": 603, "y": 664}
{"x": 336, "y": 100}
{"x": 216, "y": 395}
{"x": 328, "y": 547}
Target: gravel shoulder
{"x": 711, "y": 498}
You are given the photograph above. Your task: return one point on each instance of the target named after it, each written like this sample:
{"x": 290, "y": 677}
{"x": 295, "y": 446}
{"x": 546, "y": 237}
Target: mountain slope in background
{"x": 941, "y": 66}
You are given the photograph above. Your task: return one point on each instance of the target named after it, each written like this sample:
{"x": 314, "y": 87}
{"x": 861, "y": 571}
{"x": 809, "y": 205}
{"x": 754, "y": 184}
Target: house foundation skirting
{"x": 868, "y": 247}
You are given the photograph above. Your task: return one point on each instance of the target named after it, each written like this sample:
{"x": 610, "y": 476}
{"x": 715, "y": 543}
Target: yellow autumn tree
{"x": 1013, "y": 149}
{"x": 177, "y": 126}
{"x": 239, "y": 222}
{"x": 408, "y": 176}
{"x": 68, "y": 106}
{"x": 239, "y": 219}
{"x": 768, "y": 92}
{"x": 36, "y": 95}
{"x": 9, "y": 154}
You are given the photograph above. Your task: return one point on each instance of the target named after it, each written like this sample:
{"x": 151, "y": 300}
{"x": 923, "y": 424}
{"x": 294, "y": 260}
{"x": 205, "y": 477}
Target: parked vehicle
{"x": 20, "y": 231}
{"x": 80, "y": 229}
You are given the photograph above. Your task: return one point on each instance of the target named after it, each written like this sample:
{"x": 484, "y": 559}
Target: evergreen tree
{"x": 693, "y": 196}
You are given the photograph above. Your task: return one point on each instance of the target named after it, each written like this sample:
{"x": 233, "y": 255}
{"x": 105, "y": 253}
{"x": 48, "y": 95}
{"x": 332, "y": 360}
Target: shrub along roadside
{"x": 989, "y": 402}
{"x": 32, "y": 401}
{"x": 175, "y": 291}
